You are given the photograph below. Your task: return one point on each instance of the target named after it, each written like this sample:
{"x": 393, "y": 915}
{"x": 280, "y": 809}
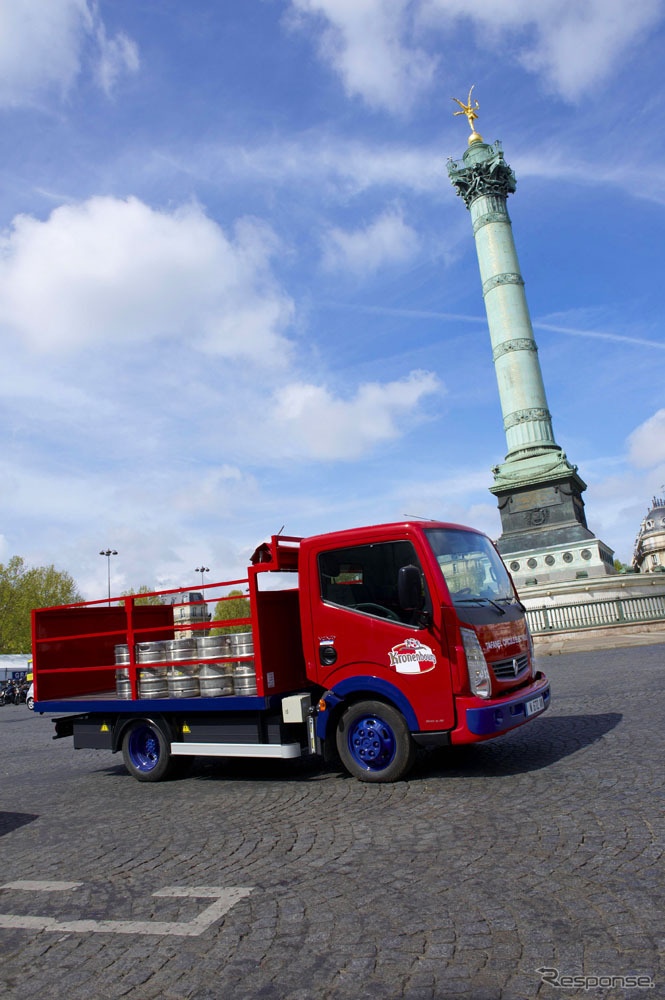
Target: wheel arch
{"x": 355, "y": 689}
{"x": 123, "y": 723}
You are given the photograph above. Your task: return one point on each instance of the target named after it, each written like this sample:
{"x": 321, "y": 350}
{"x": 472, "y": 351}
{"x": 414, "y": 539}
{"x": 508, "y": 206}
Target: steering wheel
{"x": 377, "y": 609}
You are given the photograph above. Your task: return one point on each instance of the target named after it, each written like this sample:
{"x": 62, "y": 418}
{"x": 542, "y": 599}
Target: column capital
{"x": 481, "y": 172}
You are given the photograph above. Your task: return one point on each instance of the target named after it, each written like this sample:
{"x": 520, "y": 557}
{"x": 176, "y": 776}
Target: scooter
{"x": 20, "y": 692}
{"x": 7, "y": 693}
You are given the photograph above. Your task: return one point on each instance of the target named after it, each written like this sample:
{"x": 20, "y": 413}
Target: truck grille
{"x": 506, "y": 670}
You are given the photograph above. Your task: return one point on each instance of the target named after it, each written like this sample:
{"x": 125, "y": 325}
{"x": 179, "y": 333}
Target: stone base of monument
{"x": 564, "y": 563}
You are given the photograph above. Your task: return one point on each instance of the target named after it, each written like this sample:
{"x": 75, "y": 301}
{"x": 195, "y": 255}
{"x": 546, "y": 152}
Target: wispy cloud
{"x": 342, "y": 167}
{"x": 570, "y": 46}
{"x": 44, "y": 45}
{"x": 386, "y": 240}
{"x": 311, "y": 420}
{"x": 370, "y": 45}
{"x": 382, "y": 49}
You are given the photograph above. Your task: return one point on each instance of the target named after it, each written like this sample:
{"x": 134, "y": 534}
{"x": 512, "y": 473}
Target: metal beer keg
{"x": 240, "y": 643}
{"x": 123, "y": 687}
{"x": 153, "y": 682}
{"x": 121, "y": 653}
{"x": 216, "y": 680}
{"x": 150, "y": 652}
{"x": 182, "y": 685}
{"x": 244, "y": 677}
{"x": 181, "y": 649}
{"x": 211, "y": 646}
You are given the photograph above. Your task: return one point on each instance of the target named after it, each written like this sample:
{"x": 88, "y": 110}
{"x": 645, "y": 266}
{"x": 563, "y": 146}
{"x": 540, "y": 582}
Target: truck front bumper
{"x": 481, "y": 720}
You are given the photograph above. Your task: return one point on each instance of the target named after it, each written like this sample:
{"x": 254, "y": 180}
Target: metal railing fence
{"x": 596, "y": 614}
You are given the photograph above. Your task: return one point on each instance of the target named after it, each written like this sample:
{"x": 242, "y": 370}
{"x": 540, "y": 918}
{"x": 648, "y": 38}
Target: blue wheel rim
{"x": 144, "y": 748}
{"x": 372, "y": 742}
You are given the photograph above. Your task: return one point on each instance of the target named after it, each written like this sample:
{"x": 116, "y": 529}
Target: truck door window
{"x": 363, "y": 578}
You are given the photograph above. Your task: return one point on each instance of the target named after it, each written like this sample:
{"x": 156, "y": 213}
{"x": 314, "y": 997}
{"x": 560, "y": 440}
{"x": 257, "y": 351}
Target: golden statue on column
{"x": 469, "y": 112}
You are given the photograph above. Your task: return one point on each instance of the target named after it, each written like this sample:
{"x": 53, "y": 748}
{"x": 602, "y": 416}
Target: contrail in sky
{"x": 460, "y": 318}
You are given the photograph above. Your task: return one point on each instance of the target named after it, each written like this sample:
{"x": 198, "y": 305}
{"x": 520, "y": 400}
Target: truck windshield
{"x": 473, "y": 571}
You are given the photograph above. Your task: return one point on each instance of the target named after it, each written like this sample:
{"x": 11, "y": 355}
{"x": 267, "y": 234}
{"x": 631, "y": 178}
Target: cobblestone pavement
{"x": 539, "y": 850}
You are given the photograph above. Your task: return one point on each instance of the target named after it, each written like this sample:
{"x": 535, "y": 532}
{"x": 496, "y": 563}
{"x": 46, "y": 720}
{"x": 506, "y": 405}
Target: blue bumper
{"x": 491, "y": 719}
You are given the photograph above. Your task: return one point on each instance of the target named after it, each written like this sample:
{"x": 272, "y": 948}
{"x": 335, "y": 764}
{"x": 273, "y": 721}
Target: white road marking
{"x": 224, "y": 899}
{"x": 41, "y": 886}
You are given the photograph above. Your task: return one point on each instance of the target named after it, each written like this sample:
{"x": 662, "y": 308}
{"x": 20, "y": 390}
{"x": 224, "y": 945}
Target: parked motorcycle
{"x": 20, "y": 692}
{"x": 8, "y": 693}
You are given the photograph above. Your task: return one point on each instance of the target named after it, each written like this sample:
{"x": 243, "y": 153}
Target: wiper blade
{"x": 513, "y": 601}
{"x": 480, "y": 600}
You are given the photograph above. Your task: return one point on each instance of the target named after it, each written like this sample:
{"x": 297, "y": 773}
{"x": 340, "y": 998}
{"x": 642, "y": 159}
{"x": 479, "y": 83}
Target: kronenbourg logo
{"x": 412, "y": 657}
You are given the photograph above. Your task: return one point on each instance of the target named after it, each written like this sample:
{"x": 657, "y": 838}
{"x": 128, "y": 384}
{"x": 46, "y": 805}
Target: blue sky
{"x": 237, "y": 290}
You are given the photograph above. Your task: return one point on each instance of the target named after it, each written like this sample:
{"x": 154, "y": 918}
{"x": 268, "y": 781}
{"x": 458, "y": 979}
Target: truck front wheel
{"x": 374, "y": 742}
{"x": 146, "y": 753}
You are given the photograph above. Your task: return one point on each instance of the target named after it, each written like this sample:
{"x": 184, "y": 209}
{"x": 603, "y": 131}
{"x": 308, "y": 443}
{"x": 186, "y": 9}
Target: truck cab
{"x": 421, "y": 617}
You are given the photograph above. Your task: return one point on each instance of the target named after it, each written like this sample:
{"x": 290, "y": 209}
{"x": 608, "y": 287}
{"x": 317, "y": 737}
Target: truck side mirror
{"x": 409, "y": 588}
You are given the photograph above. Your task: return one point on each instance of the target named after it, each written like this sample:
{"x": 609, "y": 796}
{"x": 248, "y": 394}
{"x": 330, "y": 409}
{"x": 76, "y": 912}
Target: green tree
{"x": 237, "y": 607}
{"x": 143, "y": 589}
{"x": 621, "y": 567}
{"x": 21, "y": 590}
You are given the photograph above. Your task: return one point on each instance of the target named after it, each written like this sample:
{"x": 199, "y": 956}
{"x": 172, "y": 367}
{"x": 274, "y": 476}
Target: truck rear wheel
{"x": 146, "y": 752}
{"x": 374, "y": 742}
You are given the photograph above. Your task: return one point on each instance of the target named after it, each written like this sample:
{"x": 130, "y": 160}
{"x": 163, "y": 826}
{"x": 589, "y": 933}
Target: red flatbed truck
{"x": 382, "y": 639}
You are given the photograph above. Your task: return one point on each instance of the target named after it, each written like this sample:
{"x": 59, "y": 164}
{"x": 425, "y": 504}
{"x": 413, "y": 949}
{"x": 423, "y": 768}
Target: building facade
{"x": 649, "y": 554}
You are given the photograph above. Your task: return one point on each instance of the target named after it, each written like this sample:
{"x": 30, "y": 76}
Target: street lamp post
{"x": 202, "y": 570}
{"x": 108, "y": 553}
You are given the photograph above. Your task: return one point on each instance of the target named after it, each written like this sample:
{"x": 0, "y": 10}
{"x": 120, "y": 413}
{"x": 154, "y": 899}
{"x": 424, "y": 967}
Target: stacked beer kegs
{"x": 215, "y": 679}
{"x": 183, "y": 681}
{"x": 153, "y": 681}
{"x": 123, "y": 686}
{"x": 244, "y": 672}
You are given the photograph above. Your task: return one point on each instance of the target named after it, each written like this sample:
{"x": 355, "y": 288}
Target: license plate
{"x": 535, "y": 705}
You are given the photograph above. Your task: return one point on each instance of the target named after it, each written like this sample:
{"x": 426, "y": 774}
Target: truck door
{"x": 361, "y": 631}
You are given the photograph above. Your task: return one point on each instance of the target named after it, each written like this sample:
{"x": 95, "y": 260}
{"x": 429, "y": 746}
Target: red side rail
{"x": 73, "y": 645}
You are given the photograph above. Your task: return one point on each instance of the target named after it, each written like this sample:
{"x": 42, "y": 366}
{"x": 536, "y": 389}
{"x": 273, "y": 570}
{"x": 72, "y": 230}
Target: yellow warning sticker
{"x": 185, "y": 728}
{"x": 104, "y": 728}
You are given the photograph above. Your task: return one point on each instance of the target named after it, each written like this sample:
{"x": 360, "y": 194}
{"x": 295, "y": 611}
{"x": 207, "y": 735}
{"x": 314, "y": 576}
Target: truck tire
{"x": 374, "y": 742}
{"x": 146, "y": 753}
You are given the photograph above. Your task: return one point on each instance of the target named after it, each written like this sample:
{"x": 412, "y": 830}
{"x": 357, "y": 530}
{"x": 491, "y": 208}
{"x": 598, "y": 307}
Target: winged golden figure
{"x": 469, "y": 111}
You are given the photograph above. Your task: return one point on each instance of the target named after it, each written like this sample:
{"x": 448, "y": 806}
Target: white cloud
{"x": 571, "y": 44}
{"x": 113, "y": 271}
{"x": 386, "y": 240}
{"x": 367, "y": 44}
{"x": 44, "y": 44}
{"x": 116, "y": 55}
{"x": 339, "y": 165}
{"x": 647, "y": 442}
{"x": 310, "y": 420}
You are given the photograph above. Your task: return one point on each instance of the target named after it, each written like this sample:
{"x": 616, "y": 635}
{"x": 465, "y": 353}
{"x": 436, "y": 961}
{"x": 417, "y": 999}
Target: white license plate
{"x": 535, "y": 705}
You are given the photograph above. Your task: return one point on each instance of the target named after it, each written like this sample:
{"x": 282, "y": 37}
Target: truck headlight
{"x": 479, "y": 675}
{"x": 532, "y": 662}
